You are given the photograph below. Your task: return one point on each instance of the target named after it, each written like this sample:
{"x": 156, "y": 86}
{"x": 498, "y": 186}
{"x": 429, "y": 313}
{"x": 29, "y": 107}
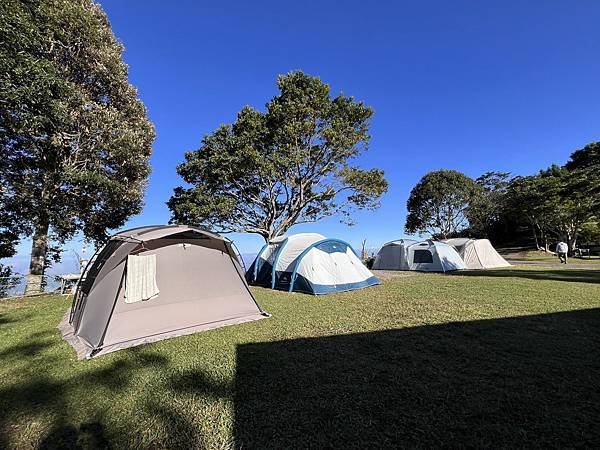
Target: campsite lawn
{"x": 500, "y": 359}
{"x": 542, "y": 257}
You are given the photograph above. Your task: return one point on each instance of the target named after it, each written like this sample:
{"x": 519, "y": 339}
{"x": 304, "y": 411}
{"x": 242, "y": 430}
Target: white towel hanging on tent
{"x": 141, "y": 278}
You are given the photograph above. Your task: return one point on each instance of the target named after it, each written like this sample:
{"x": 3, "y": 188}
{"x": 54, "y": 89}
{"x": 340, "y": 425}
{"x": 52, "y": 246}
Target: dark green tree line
{"x": 560, "y": 202}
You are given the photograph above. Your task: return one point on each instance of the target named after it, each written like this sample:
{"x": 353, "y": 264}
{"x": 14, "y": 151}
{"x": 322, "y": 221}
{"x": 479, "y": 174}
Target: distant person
{"x": 561, "y": 250}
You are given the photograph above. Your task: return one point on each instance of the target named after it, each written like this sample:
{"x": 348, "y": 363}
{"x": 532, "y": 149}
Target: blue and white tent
{"x": 311, "y": 263}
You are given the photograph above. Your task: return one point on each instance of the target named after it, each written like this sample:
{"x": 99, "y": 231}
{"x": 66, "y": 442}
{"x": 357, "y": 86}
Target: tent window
{"x": 423, "y": 257}
{"x": 332, "y": 247}
{"x": 188, "y": 235}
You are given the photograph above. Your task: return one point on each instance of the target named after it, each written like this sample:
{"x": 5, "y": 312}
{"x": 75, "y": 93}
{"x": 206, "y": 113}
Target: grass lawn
{"x": 536, "y": 255}
{"x": 500, "y": 359}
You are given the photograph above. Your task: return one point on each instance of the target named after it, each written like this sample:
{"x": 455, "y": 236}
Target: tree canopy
{"x": 558, "y": 203}
{"x": 486, "y": 210}
{"x": 585, "y": 158}
{"x": 287, "y": 165}
{"x": 526, "y": 202}
{"x": 440, "y": 202}
{"x": 75, "y": 140}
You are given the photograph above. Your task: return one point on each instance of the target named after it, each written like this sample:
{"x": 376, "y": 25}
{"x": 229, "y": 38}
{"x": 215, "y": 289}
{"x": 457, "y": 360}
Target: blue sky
{"x": 467, "y": 85}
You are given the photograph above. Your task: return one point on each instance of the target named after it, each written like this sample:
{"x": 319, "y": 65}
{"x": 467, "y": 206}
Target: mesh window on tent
{"x": 423, "y": 257}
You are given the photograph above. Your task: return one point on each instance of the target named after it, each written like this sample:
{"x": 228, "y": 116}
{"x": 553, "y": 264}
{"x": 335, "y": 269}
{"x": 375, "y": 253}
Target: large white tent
{"x": 426, "y": 256}
{"x": 311, "y": 263}
{"x": 477, "y": 253}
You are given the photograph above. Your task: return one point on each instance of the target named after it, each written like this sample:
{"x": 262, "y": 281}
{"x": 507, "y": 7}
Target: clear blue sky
{"x": 467, "y": 85}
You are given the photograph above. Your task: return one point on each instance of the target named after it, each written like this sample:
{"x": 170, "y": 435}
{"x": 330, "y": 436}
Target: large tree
{"x": 440, "y": 202}
{"x": 75, "y": 140}
{"x": 487, "y": 210}
{"x": 290, "y": 164}
{"x": 528, "y": 204}
{"x": 574, "y": 196}
{"x": 584, "y": 167}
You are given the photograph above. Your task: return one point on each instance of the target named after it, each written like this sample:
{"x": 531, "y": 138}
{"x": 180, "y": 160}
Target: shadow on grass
{"x": 6, "y": 319}
{"x": 43, "y": 396}
{"x": 573, "y": 275}
{"x": 86, "y": 436}
{"x": 180, "y": 426}
{"x": 67, "y": 410}
{"x": 517, "y": 382}
{"x": 27, "y": 350}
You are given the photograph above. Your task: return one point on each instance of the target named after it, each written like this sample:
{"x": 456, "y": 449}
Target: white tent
{"x": 477, "y": 253}
{"x": 426, "y": 256}
{"x": 309, "y": 262}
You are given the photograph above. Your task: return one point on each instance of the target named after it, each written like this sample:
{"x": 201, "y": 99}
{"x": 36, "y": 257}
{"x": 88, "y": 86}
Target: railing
{"x": 14, "y": 285}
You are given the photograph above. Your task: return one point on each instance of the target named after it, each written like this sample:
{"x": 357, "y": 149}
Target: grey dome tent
{"x": 310, "y": 263}
{"x": 393, "y": 255}
{"x": 156, "y": 282}
{"x": 426, "y": 256}
{"x": 477, "y": 253}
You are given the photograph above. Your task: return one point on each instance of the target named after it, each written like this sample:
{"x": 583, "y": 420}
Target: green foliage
{"x": 590, "y": 232}
{"x": 74, "y": 138}
{"x": 558, "y": 201}
{"x": 571, "y": 196}
{"x": 290, "y": 164}
{"x": 440, "y": 202}
{"x": 487, "y": 209}
{"x": 527, "y": 203}
{"x": 587, "y": 157}
{"x": 8, "y": 280}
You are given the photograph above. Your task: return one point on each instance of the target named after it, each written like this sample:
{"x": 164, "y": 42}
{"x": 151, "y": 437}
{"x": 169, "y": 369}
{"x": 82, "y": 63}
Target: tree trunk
{"x": 39, "y": 247}
{"x": 363, "y": 250}
{"x": 535, "y": 238}
{"x": 544, "y": 240}
{"x": 572, "y": 242}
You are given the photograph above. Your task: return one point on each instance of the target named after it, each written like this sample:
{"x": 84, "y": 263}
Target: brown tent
{"x": 157, "y": 282}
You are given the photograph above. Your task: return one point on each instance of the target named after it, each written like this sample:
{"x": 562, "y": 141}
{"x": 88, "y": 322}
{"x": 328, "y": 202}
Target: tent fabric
{"x": 393, "y": 255}
{"x": 281, "y": 253}
{"x": 478, "y": 253}
{"x": 426, "y": 256}
{"x": 310, "y": 263}
{"x": 200, "y": 282}
{"x": 291, "y": 248}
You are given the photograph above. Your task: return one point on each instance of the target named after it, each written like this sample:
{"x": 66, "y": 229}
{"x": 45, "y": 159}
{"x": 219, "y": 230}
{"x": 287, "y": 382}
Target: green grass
{"x": 536, "y": 255}
{"x": 500, "y": 359}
